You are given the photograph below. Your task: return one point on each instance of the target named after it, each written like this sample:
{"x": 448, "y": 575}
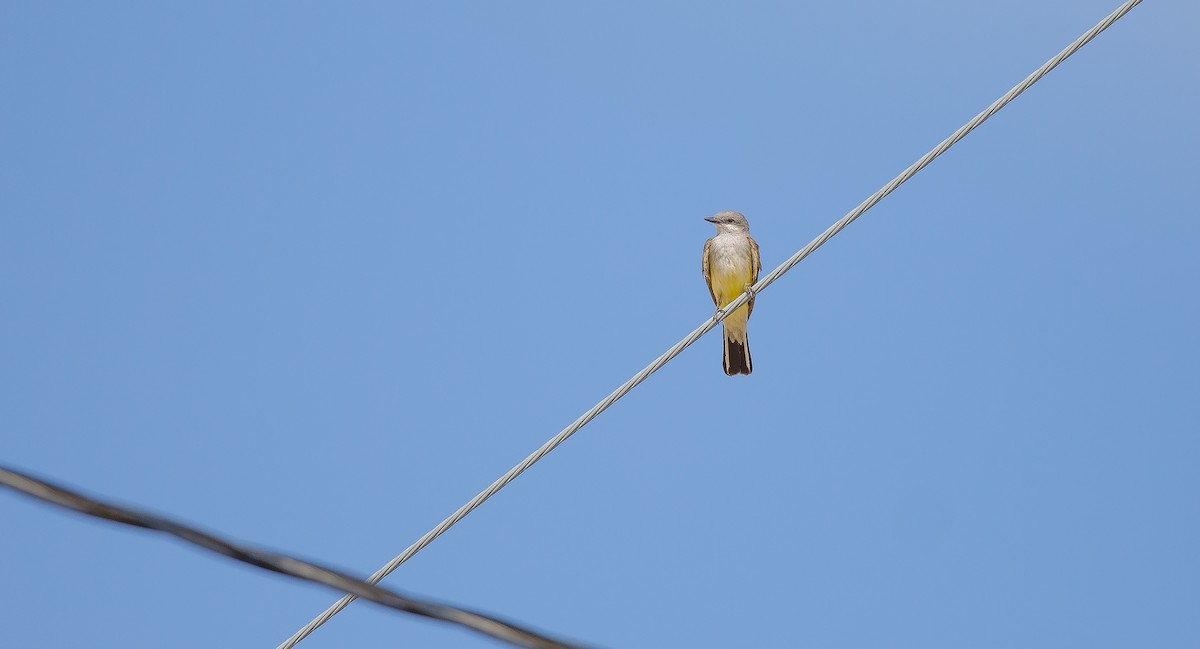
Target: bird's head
{"x": 729, "y": 222}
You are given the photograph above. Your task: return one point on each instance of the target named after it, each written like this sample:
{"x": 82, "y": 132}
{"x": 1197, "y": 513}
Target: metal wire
{"x": 716, "y": 319}
{"x": 489, "y": 626}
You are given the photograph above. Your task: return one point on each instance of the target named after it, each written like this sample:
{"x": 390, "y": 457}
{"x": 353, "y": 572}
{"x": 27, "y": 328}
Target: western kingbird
{"x": 731, "y": 267}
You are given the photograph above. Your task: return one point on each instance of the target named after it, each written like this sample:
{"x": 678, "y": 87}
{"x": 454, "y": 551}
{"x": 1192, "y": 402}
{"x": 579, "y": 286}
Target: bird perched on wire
{"x": 731, "y": 268}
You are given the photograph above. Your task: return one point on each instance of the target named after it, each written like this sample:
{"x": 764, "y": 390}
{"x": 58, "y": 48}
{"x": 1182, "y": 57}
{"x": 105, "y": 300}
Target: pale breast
{"x": 730, "y": 266}
{"x": 730, "y": 254}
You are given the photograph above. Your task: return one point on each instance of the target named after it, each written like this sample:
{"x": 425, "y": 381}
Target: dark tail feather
{"x": 737, "y": 357}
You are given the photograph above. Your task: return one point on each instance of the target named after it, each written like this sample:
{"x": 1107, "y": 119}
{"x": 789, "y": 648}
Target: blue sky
{"x": 311, "y": 275}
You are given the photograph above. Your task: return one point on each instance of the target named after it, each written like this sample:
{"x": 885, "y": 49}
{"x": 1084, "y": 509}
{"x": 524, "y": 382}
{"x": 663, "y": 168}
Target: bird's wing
{"x": 704, "y": 269}
{"x": 755, "y": 266}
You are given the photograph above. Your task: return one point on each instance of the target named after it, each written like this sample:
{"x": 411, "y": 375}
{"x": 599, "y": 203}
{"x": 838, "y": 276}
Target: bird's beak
{"x": 710, "y": 219}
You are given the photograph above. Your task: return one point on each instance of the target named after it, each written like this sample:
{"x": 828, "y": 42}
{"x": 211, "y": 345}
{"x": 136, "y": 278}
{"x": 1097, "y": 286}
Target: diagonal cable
{"x": 716, "y": 319}
{"x": 283, "y": 564}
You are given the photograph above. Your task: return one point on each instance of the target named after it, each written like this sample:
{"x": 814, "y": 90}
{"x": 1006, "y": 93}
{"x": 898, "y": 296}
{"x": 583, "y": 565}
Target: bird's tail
{"x": 737, "y": 355}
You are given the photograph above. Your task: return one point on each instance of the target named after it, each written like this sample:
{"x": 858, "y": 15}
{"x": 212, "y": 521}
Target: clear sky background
{"x": 312, "y": 275}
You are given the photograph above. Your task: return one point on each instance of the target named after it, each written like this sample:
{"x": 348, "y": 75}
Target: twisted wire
{"x": 283, "y": 564}
{"x": 718, "y": 317}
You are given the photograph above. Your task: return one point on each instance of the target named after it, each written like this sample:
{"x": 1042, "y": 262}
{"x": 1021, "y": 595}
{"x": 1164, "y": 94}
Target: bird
{"x": 730, "y": 268}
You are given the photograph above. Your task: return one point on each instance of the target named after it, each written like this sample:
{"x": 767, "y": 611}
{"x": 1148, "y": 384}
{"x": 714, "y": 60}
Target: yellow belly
{"x": 728, "y": 283}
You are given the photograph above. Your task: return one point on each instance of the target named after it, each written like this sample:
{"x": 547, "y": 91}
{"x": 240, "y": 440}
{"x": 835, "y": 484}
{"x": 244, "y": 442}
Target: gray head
{"x": 729, "y": 222}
